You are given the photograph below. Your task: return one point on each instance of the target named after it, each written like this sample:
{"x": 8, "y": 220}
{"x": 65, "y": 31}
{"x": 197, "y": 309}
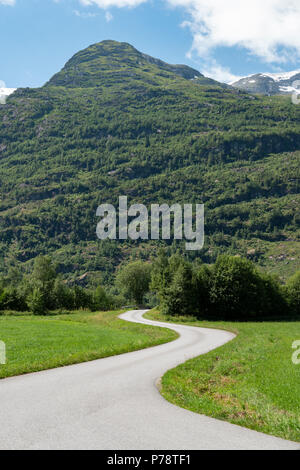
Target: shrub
{"x": 238, "y": 291}
{"x": 11, "y": 298}
{"x": 101, "y": 300}
{"x": 232, "y": 289}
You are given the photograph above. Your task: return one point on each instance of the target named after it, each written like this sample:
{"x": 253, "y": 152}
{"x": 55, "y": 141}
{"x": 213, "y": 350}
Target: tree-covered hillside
{"x": 117, "y": 122}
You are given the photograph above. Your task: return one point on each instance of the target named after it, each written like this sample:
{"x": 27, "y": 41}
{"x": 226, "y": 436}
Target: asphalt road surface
{"x": 114, "y": 404}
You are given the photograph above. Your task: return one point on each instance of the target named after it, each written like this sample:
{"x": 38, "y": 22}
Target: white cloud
{"x": 7, "y": 2}
{"x": 213, "y": 70}
{"x": 109, "y": 17}
{"x": 263, "y": 27}
{"x": 81, "y": 14}
{"x": 112, "y": 3}
{"x": 267, "y": 29}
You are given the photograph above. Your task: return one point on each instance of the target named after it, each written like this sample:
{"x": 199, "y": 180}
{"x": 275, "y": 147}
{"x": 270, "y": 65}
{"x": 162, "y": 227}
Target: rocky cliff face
{"x": 270, "y": 84}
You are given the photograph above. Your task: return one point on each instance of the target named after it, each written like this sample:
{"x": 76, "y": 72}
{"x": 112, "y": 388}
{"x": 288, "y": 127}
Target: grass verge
{"x": 251, "y": 381}
{"x": 36, "y": 343}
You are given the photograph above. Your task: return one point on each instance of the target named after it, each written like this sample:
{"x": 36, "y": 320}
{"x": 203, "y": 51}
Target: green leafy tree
{"x": 202, "y": 291}
{"x": 101, "y": 300}
{"x": 163, "y": 270}
{"x": 44, "y": 271}
{"x": 82, "y": 298}
{"x": 62, "y": 295}
{"x": 293, "y": 293}
{"x": 12, "y": 298}
{"x": 180, "y": 298}
{"x": 41, "y": 284}
{"x": 238, "y": 291}
{"x": 134, "y": 280}
{"x": 37, "y": 302}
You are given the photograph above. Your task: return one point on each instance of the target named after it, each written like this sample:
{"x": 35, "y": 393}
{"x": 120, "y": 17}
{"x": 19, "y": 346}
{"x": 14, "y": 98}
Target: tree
{"x": 82, "y": 298}
{"x": 62, "y": 295}
{"x": 134, "y": 280}
{"x": 44, "y": 271}
{"x": 180, "y": 298}
{"x": 41, "y": 285}
{"x": 37, "y": 302}
{"x": 293, "y": 293}
{"x": 12, "y": 298}
{"x": 238, "y": 291}
{"x": 100, "y": 300}
{"x": 232, "y": 284}
{"x": 203, "y": 285}
{"x": 163, "y": 271}
{"x": 271, "y": 300}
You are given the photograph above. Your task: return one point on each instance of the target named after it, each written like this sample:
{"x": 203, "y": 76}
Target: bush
{"x": 238, "y": 291}
{"x": 101, "y": 300}
{"x": 11, "y": 298}
{"x": 293, "y": 293}
{"x": 233, "y": 289}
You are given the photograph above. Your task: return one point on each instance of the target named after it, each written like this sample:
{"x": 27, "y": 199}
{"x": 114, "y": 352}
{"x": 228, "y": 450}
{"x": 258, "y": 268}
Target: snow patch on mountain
{"x": 282, "y": 83}
{"x": 289, "y": 89}
{"x": 279, "y": 77}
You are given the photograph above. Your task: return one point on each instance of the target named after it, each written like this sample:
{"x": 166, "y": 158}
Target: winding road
{"x": 114, "y": 404}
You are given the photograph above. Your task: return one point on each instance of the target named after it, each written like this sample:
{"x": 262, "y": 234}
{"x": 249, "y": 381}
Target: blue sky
{"x": 220, "y": 38}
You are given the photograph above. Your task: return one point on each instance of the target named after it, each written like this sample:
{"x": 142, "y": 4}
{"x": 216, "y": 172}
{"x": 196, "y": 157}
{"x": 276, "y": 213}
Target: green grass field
{"x": 251, "y": 381}
{"x": 36, "y": 343}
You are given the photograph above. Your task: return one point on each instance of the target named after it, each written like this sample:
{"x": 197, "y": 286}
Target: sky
{"x": 223, "y": 39}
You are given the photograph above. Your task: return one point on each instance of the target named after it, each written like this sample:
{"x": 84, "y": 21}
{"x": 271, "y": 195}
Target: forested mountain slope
{"x": 117, "y": 122}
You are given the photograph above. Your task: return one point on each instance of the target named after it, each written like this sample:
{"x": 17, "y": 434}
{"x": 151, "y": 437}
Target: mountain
{"x": 114, "y": 122}
{"x": 269, "y": 83}
{"x": 109, "y": 60}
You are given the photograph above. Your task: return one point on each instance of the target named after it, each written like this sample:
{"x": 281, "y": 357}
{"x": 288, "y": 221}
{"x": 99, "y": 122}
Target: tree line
{"x": 231, "y": 289}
